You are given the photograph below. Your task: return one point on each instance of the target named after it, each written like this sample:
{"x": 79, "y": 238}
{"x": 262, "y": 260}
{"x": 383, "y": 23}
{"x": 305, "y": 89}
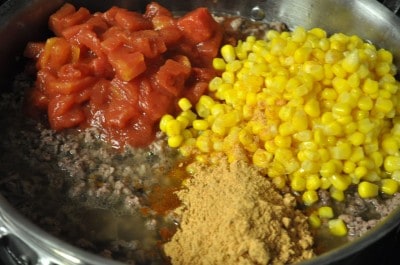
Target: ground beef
{"x": 79, "y": 189}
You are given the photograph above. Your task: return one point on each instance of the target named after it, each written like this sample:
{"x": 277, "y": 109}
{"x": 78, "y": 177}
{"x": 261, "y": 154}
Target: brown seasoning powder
{"x": 231, "y": 214}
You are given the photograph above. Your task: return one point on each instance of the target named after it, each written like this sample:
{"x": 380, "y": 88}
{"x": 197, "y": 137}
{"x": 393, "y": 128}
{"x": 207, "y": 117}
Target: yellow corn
{"x": 337, "y": 195}
{"x": 309, "y": 197}
{"x": 367, "y": 189}
{"x": 314, "y": 220}
{"x": 325, "y": 212}
{"x": 314, "y": 111}
{"x": 389, "y": 186}
{"x": 337, "y": 227}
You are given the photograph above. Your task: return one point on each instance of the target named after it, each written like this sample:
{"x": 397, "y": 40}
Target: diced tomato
{"x": 56, "y": 53}
{"x": 121, "y": 71}
{"x": 119, "y": 113}
{"x": 140, "y": 133}
{"x": 114, "y": 38}
{"x": 128, "y": 91}
{"x": 101, "y": 67}
{"x": 198, "y": 25}
{"x": 154, "y": 102}
{"x": 65, "y": 87}
{"x": 170, "y": 35}
{"x": 39, "y": 99}
{"x": 89, "y": 39}
{"x": 66, "y": 17}
{"x": 95, "y": 24}
{"x": 73, "y": 71}
{"x": 147, "y": 42}
{"x": 203, "y": 74}
{"x": 100, "y": 94}
{"x": 196, "y": 91}
{"x": 131, "y": 21}
{"x": 154, "y": 9}
{"x": 162, "y": 21}
{"x": 210, "y": 48}
{"x": 83, "y": 96}
{"x": 60, "y": 104}
{"x": 55, "y": 21}
{"x": 127, "y": 65}
{"x": 172, "y": 76}
{"x": 33, "y": 50}
{"x": 70, "y": 119}
{"x": 79, "y": 17}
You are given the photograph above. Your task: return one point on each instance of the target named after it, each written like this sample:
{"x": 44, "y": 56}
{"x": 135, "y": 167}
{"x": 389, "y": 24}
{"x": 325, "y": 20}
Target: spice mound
{"x": 231, "y": 214}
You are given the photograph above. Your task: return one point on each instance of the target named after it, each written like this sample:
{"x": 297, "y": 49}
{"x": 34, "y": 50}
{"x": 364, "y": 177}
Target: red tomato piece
{"x": 56, "y": 19}
{"x": 128, "y": 91}
{"x": 131, "y": 21}
{"x": 147, "y": 42}
{"x": 33, "y": 49}
{"x": 100, "y": 94}
{"x": 203, "y": 74}
{"x": 140, "y": 133}
{"x": 60, "y": 104}
{"x": 71, "y": 118}
{"x": 154, "y": 102}
{"x": 76, "y": 18}
{"x": 162, "y": 21}
{"x": 89, "y": 39}
{"x": 172, "y": 76}
{"x": 210, "y": 48}
{"x": 101, "y": 67}
{"x": 194, "y": 92}
{"x": 127, "y": 65}
{"x": 114, "y": 38}
{"x": 56, "y": 53}
{"x": 73, "y": 71}
{"x": 119, "y": 113}
{"x": 154, "y": 9}
{"x": 170, "y": 35}
{"x": 198, "y": 25}
{"x": 65, "y": 87}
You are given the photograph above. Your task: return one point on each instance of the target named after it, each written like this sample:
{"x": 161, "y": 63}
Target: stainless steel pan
{"x": 21, "y": 242}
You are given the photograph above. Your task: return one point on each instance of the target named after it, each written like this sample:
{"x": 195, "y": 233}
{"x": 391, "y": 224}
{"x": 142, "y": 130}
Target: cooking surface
{"x": 383, "y": 252}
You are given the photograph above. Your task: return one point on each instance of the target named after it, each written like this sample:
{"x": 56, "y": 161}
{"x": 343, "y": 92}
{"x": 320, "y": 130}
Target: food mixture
{"x": 244, "y": 143}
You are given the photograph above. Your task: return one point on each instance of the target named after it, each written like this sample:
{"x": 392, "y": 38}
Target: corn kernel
{"x": 313, "y": 182}
{"x": 164, "y": 120}
{"x": 173, "y": 127}
{"x": 337, "y": 227}
{"x": 337, "y": 195}
{"x": 340, "y": 182}
{"x": 228, "y": 53}
{"x": 298, "y": 183}
{"x": 200, "y": 125}
{"x": 389, "y": 186}
{"x": 314, "y": 220}
{"x": 309, "y": 197}
{"x": 325, "y": 212}
{"x": 367, "y": 189}
{"x": 175, "y": 141}
{"x": 392, "y": 163}
{"x": 370, "y": 86}
{"x": 218, "y": 64}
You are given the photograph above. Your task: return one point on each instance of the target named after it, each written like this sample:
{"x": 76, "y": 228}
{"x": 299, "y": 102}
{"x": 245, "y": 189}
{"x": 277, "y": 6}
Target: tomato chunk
{"x": 127, "y": 65}
{"x": 131, "y": 21}
{"x": 198, "y": 25}
{"x": 119, "y": 70}
{"x": 172, "y": 76}
{"x": 154, "y": 102}
{"x": 66, "y": 17}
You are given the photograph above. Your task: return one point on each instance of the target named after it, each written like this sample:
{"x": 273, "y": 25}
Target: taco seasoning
{"x": 231, "y": 214}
